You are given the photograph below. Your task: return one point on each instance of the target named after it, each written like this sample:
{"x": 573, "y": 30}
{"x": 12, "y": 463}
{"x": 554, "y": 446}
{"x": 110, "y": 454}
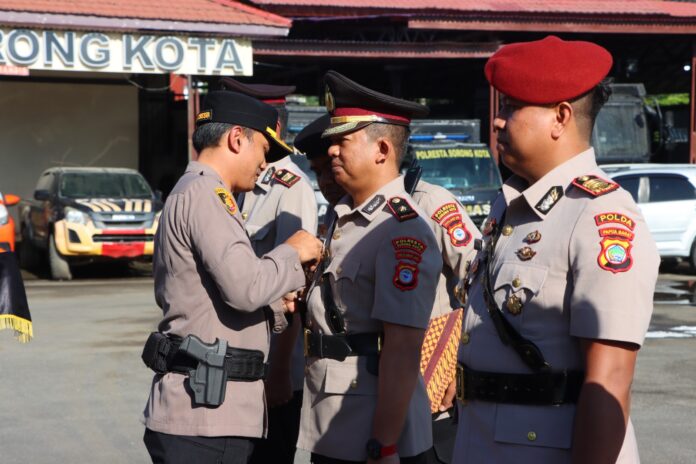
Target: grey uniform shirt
{"x": 455, "y": 234}
{"x": 281, "y": 203}
{"x": 209, "y": 283}
{"x": 580, "y": 265}
{"x": 380, "y": 270}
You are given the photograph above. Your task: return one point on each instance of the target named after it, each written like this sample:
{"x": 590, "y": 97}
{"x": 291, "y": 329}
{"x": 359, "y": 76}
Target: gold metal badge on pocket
{"x": 514, "y": 305}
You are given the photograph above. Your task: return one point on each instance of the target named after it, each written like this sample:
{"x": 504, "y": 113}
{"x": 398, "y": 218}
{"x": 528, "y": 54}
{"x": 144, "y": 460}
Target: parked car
{"x": 666, "y": 195}
{"x": 7, "y": 225}
{"x": 83, "y": 215}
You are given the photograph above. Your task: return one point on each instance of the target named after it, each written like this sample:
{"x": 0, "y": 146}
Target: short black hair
{"x": 208, "y": 135}
{"x": 588, "y": 105}
{"x": 398, "y": 135}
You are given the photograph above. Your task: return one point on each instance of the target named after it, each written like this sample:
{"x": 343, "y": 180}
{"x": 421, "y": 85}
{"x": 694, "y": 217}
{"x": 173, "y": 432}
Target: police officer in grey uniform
{"x": 455, "y": 234}
{"x": 368, "y": 307}
{"x": 560, "y": 294}
{"x": 207, "y": 403}
{"x": 281, "y": 203}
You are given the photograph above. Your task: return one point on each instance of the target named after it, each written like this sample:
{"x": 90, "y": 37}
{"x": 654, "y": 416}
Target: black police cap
{"x": 353, "y": 106}
{"x": 236, "y": 108}
{"x": 309, "y": 140}
{"x": 264, "y": 92}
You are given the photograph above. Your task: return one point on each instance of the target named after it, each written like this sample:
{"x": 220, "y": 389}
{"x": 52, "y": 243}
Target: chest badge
{"x": 525, "y": 253}
{"x": 226, "y": 200}
{"x": 532, "y": 237}
{"x": 549, "y": 200}
{"x": 514, "y": 305}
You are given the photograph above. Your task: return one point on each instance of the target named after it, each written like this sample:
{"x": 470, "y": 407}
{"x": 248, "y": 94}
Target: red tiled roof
{"x": 590, "y": 7}
{"x": 207, "y": 11}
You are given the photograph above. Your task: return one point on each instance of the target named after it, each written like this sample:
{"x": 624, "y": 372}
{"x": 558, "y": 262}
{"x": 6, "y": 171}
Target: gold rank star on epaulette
{"x": 401, "y": 209}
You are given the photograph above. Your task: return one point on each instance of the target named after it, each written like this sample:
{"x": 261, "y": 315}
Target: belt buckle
{"x": 461, "y": 385}
{"x": 306, "y": 335}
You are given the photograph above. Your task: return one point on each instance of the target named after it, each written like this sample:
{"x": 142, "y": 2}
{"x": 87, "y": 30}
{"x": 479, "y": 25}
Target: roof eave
{"x": 68, "y": 21}
{"x": 598, "y": 25}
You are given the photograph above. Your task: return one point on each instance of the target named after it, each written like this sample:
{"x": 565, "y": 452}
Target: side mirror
{"x": 11, "y": 200}
{"x": 42, "y": 195}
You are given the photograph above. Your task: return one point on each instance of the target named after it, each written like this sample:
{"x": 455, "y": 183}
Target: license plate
{"x": 123, "y": 217}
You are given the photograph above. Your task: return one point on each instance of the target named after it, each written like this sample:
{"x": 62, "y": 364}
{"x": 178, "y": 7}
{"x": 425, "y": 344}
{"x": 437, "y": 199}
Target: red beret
{"x": 546, "y": 71}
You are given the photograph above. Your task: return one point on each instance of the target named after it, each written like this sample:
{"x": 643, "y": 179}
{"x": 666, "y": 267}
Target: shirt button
{"x": 336, "y": 234}
{"x": 507, "y": 230}
{"x": 297, "y": 266}
{"x": 245, "y": 215}
{"x": 354, "y": 384}
{"x": 465, "y": 338}
{"x": 339, "y": 269}
{"x": 531, "y": 436}
{"x": 516, "y": 282}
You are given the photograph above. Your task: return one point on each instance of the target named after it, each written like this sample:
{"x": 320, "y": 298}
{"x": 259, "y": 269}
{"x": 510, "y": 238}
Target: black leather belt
{"x": 547, "y": 388}
{"x": 241, "y": 365}
{"x": 341, "y": 346}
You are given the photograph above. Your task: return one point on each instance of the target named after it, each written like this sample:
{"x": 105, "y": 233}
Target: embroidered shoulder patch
{"x": 617, "y": 218}
{"x": 549, "y": 200}
{"x": 401, "y": 209}
{"x": 615, "y": 254}
{"x": 286, "y": 177}
{"x": 594, "y": 185}
{"x": 226, "y": 200}
{"x": 444, "y": 211}
{"x": 408, "y": 251}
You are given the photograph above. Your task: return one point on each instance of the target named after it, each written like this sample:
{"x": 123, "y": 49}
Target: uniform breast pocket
{"x": 518, "y": 284}
{"x": 345, "y": 274}
{"x": 548, "y": 426}
{"x": 350, "y": 377}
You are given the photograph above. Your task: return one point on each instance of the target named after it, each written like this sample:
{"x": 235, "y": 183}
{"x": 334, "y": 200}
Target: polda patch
{"x": 615, "y": 254}
{"x": 405, "y": 276}
{"x": 409, "y": 243}
{"x": 226, "y": 200}
{"x": 617, "y": 218}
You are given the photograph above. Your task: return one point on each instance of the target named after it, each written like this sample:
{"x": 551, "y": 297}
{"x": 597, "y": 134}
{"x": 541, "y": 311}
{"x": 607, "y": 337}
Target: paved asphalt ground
{"x": 76, "y": 392}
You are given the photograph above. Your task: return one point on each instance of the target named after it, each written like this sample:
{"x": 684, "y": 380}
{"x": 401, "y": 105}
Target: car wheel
{"x": 28, "y": 254}
{"x": 692, "y": 257}
{"x": 60, "y": 269}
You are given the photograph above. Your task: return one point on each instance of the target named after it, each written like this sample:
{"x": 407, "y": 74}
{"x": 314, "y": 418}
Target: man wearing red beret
{"x": 559, "y": 296}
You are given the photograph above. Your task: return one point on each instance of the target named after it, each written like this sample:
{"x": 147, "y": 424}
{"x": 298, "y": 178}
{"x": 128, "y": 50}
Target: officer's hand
{"x": 448, "y": 399}
{"x": 278, "y": 386}
{"x": 289, "y": 302}
{"x": 393, "y": 459}
{"x": 307, "y": 246}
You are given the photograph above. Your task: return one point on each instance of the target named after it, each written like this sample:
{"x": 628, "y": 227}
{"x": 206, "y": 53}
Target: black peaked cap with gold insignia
{"x": 353, "y": 106}
{"x": 236, "y": 108}
{"x": 309, "y": 140}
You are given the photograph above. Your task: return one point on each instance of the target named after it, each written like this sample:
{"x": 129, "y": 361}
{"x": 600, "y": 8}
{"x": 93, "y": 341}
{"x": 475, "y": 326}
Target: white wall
{"x": 45, "y": 124}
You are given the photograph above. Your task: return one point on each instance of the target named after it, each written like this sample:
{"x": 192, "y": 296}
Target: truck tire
{"x": 28, "y": 254}
{"x": 60, "y": 269}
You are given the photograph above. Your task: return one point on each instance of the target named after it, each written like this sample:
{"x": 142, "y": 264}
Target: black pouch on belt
{"x": 157, "y": 351}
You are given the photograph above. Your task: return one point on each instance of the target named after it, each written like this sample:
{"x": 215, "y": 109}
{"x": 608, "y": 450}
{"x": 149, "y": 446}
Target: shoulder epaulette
{"x": 401, "y": 209}
{"x": 286, "y": 177}
{"x": 594, "y": 185}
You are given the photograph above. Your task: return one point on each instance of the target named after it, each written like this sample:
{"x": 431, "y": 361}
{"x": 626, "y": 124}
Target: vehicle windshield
{"x": 621, "y": 134}
{"x": 104, "y": 185}
{"x": 463, "y": 169}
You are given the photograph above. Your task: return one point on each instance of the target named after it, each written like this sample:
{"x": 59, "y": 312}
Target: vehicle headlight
{"x": 4, "y": 216}
{"x": 75, "y": 216}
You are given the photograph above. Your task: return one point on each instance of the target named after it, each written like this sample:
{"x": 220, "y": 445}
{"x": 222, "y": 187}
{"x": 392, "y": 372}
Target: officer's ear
{"x": 385, "y": 149}
{"x": 563, "y": 114}
{"x": 234, "y": 139}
